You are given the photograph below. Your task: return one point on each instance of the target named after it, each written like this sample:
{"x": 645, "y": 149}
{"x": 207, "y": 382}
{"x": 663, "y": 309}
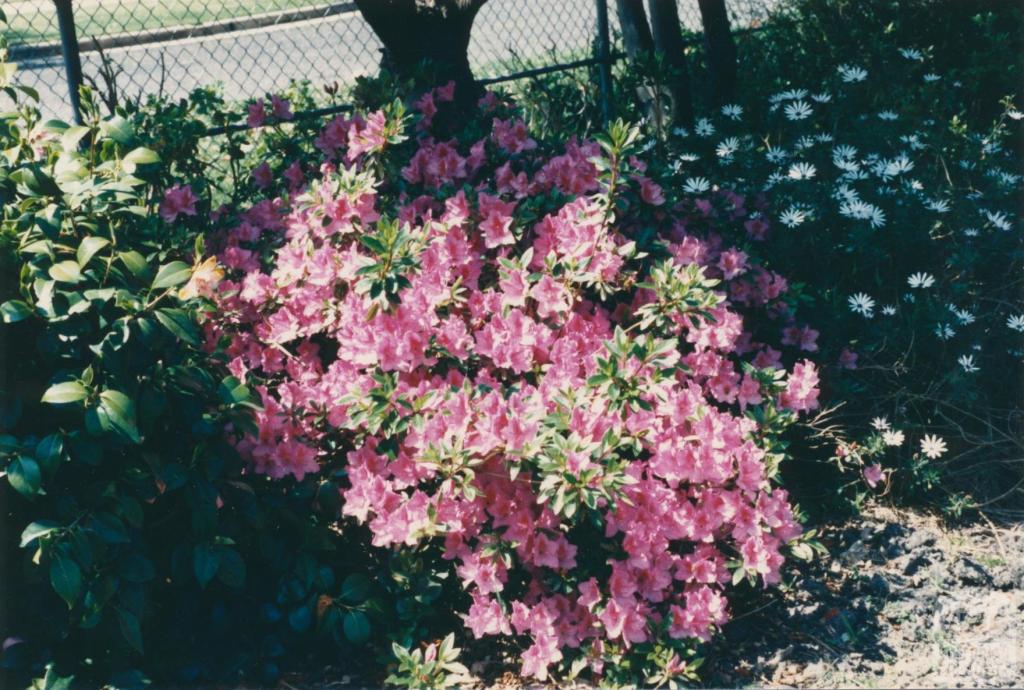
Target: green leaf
{"x": 179, "y": 323}
{"x": 134, "y": 262}
{"x": 14, "y": 310}
{"x": 37, "y": 529}
{"x": 54, "y": 681}
{"x": 118, "y": 129}
{"x": 66, "y": 272}
{"x": 129, "y": 624}
{"x": 67, "y": 392}
{"x": 48, "y": 452}
{"x": 120, "y": 411}
{"x": 355, "y": 588}
{"x": 109, "y": 528}
{"x": 66, "y": 578}
{"x": 300, "y": 618}
{"x": 232, "y": 390}
{"x": 136, "y": 568}
{"x": 72, "y": 135}
{"x": 232, "y": 570}
{"x": 169, "y": 275}
{"x": 88, "y": 248}
{"x": 23, "y": 474}
{"x": 357, "y": 627}
{"x": 142, "y": 156}
{"x": 204, "y": 563}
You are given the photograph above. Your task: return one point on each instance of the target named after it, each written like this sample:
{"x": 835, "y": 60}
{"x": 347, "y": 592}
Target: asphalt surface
{"x": 335, "y": 49}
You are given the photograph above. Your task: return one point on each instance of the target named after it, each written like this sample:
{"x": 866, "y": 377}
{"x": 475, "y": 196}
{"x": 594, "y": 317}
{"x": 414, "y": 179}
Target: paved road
{"x": 334, "y": 49}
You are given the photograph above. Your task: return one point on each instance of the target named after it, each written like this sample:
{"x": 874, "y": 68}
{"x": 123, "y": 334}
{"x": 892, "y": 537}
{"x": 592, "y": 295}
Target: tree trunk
{"x": 668, "y": 42}
{"x": 635, "y": 32}
{"x": 417, "y": 32}
{"x": 720, "y": 48}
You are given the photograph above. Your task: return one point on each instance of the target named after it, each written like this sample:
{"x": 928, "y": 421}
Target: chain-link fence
{"x": 170, "y": 47}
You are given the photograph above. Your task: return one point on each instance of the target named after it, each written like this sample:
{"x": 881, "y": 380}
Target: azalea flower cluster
{"x": 535, "y": 356}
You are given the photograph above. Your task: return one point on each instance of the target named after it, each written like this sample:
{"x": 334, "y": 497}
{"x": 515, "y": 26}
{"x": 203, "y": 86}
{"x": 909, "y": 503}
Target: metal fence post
{"x": 604, "y": 60}
{"x": 72, "y": 58}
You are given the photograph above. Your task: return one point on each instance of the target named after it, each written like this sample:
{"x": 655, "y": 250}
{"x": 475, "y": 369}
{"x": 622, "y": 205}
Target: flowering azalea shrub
{"x": 565, "y": 379}
{"x": 896, "y": 223}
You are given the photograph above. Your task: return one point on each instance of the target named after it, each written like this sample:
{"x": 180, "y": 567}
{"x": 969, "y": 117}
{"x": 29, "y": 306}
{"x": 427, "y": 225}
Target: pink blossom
{"x": 178, "y": 200}
{"x": 262, "y": 175}
{"x": 873, "y": 474}
{"x": 281, "y": 108}
{"x": 847, "y": 359}
{"x": 257, "y": 114}
{"x": 651, "y": 192}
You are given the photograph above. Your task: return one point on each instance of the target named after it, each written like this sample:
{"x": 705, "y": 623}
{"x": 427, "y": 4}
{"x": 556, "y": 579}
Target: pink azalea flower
{"x": 281, "y": 108}
{"x": 873, "y": 474}
{"x": 262, "y": 175}
{"x": 178, "y": 200}
{"x": 257, "y": 114}
{"x": 848, "y": 359}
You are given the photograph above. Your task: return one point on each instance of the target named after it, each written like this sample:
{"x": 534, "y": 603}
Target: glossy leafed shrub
{"x": 137, "y": 544}
{"x": 533, "y": 367}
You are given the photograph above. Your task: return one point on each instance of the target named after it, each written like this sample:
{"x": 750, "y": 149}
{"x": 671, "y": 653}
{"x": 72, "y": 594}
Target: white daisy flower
{"x": 1015, "y": 322}
{"x": 728, "y": 147}
{"x": 888, "y": 115}
{"x": 931, "y": 77}
{"x": 704, "y": 128}
{"x": 920, "y": 281}
{"x": 1015, "y": 114}
{"x": 862, "y": 304}
{"x": 681, "y": 132}
{"x": 966, "y": 363}
{"x": 944, "y": 331}
{"x": 852, "y": 74}
{"x": 893, "y": 437}
{"x": 823, "y": 97}
{"x": 805, "y": 142}
{"x": 933, "y": 446}
{"x": 991, "y": 147}
{"x": 798, "y": 110}
{"x": 732, "y": 111}
{"x": 999, "y": 219}
{"x": 689, "y": 157}
{"x": 880, "y": 424}
{"x": 696, "y": 185}
{"x": 889, "y": 310}
{"x": 855, "y": 208}
{"x": 843, "y": 151}
{"x": 964, "y": 316}
{"x": 776, "y": 154}
{"x": 802, "y": 171}
{"x": 913, "y": 141}
{"x": 937, "y": 205}
{"x": 877, "y": 217}
{"x": 912, "y": 53}
{"x": 897, "y": 166}
{"x": 845, "y": 193}
{"x": 790, "y": 95}
{"x": 792, "y": 217}
{"x": 971, "y": 232}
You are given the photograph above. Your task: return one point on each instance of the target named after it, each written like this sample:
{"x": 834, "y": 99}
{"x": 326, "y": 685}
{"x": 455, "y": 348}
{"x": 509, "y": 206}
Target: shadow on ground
{"x": 900, "y": 602}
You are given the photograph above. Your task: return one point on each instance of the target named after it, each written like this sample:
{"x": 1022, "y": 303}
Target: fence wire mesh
{"x": 249, "y": 48}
